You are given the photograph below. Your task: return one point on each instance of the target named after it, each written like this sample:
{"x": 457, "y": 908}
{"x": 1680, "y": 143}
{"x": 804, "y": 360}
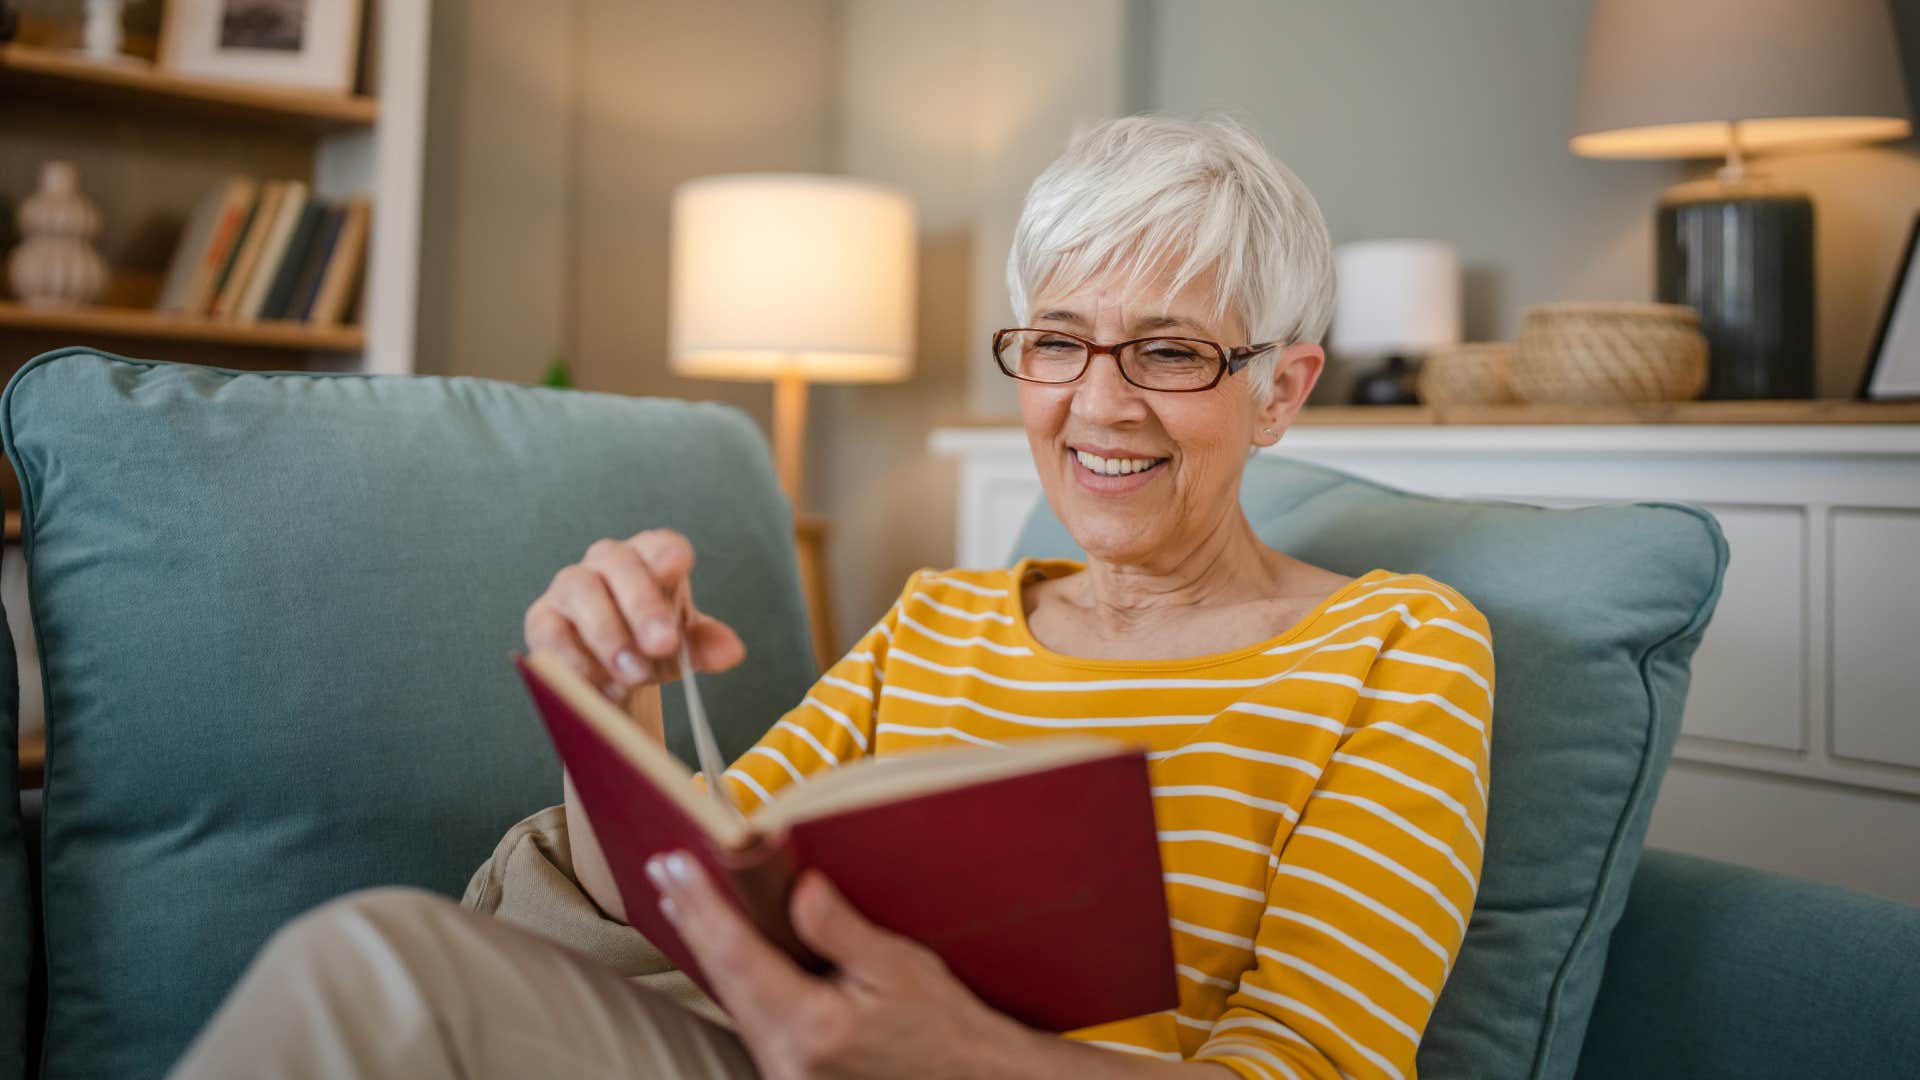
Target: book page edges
{"x": 875, "y": 781}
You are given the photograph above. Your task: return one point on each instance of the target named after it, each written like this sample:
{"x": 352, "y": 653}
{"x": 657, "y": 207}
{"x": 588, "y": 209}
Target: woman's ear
{"x": 1294, "y": 374}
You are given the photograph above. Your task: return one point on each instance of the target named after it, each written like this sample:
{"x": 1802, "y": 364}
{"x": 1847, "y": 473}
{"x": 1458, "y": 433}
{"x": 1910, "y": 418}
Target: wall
{"x": 554, "y": 146}
{"x": 939, "y": 100}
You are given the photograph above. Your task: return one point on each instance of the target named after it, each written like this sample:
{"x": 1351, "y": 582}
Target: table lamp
{"x": 1727, "y": 78}
{"x": 1397, "y": 299}
{"x": 791, "y": 278}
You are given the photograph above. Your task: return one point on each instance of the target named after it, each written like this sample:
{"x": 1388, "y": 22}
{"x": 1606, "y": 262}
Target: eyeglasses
{"x": 1173, "y": 365}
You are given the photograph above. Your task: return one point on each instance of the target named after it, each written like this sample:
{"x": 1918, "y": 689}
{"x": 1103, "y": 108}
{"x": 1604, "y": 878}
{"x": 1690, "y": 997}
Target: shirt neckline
{"x": 1017, "y": 609}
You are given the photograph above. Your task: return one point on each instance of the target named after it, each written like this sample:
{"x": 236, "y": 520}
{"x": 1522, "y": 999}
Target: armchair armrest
{"x": 1721, "y": 971}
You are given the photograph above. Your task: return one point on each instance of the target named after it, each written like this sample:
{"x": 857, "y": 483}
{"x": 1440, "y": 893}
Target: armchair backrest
{"x": 274, "y": 614}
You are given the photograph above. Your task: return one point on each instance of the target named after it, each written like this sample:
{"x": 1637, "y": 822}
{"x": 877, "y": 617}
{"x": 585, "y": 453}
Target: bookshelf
{"x": 369, "y": 144}
{"x": 145, "y": 323}
{"x": 30, "y": 69}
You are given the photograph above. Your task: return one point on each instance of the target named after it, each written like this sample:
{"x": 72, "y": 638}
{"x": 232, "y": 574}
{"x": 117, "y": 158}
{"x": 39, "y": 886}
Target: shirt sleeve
{"x": 832, "y": 725}
{"x": 1372, "y": 888}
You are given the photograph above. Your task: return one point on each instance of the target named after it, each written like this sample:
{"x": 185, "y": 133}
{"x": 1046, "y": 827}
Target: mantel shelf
{"x": 63, "y": 73}
{"x": 1830, "y": 411}
{"x": 139, "y": 323}
{"x": 1676, "y": 412}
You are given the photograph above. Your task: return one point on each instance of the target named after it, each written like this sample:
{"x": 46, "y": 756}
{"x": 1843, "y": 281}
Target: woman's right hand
{"x": 616, "y": 616}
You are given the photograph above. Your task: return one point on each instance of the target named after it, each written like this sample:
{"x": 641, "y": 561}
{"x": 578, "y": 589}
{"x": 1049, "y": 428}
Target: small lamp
{"x": 1397, "y": 299}
{"x": 1713, "y": 78}
{"x": 791, "y": 278}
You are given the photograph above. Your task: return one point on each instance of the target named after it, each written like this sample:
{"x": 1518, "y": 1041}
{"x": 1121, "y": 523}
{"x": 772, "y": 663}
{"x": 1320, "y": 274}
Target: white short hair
{"x": 1140, "y": 192}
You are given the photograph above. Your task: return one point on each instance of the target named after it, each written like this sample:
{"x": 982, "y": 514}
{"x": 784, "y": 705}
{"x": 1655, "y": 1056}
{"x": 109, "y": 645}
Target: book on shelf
{"x": 235, "y": 203}
{"x": 293, "y": 203}
{"x": 307, "y": 282}
{"x": 1032, "y": 870}
{"x": 253, "y": 250}
{"x": 252, "y": 244}
{"x": 273, "y": 304}
{"x": 195, "y": 238}
{"x": 231, "y": 257}
{"x": 346, "y": 265}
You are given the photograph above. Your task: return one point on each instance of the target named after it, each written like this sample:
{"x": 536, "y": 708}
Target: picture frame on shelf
{"x": 294, "y": 44}
{"x": 1893, "y": 367}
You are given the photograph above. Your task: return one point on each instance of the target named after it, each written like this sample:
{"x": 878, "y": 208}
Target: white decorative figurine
{"x": 102, "y": 34}
{"x": 55, "y": 264}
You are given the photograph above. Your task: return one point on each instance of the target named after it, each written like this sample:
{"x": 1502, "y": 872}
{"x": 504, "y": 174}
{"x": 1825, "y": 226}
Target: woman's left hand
{"x": 891, "y": 1008}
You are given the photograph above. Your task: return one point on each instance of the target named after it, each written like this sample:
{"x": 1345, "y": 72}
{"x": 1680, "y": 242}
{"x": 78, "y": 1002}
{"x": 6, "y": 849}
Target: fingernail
{"x": 680, "y": 865}
{"x": 656, "y": 636}
{"x": 631, "y": 667}
{"x": 670, "y": 909}
{"x": 657, "y": 871}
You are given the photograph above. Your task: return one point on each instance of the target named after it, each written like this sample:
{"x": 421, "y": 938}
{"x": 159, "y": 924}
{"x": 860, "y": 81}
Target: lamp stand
{"x": 809, "y": 531}
{"x": 790, "y": 434}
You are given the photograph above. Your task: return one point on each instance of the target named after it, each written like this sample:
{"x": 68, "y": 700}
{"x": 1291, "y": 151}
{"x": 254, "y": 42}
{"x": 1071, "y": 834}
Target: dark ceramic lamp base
{"x": 1393, "y": 384}
{"x": 1741, "y": 254}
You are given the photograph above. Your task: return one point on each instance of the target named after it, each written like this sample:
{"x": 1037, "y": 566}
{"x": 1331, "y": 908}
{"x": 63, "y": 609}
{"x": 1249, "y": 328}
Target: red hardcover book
{"x": 1033, "y": 870}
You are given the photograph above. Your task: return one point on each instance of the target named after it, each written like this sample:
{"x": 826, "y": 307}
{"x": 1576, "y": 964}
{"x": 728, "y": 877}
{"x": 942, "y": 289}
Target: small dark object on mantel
{"x": 9, "y": 22}
{"x": 1391, "y": 385}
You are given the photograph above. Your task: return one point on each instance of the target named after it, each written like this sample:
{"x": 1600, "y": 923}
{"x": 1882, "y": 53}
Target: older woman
{"x": 1318, "y": 743}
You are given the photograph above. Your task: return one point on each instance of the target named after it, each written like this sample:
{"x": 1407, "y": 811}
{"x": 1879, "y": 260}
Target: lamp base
{"x": 1740, "y": 253}
{"x": 1393, "y": 384}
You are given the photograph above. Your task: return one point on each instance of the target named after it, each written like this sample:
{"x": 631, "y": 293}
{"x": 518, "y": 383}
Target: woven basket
{"x": 1478, "y": 373}
{"x": 1610, "y": 354}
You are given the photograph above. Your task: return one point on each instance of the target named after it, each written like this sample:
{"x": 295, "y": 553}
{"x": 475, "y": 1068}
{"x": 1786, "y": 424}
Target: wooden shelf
{"x": 42, "y": 72}
{"x": 139, "y": 323}
{"x": 1679, "y": 412}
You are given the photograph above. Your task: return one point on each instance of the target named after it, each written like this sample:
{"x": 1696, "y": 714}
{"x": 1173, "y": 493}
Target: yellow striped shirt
{"x": 1320, "y": 796}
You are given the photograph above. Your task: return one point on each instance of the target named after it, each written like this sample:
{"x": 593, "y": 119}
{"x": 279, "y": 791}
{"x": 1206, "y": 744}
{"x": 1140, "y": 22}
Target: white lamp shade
{"x": 1395, "y": 297}
{"x": 1667, "y": 78}
{"x": 786, "y": 274}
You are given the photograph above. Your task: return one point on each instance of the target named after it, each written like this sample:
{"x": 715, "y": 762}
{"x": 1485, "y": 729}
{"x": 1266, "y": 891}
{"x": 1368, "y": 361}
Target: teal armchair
{"x": 274, "y": 613}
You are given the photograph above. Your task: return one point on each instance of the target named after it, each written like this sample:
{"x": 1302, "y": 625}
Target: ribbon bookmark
{"x": 703, "y": 743}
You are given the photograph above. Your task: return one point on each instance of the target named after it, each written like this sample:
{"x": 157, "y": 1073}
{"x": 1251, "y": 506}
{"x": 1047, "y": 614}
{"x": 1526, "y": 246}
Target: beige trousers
{"x": 401, "y": 983}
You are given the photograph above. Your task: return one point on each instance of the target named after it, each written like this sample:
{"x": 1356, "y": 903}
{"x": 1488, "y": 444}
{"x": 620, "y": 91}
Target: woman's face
{"x": 1196, "y": 443}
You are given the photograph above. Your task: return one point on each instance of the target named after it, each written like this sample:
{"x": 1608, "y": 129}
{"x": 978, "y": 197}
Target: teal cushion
{"x": 274, "y": 615}
{"x": 16, "y": 918}
{"x": 1720, "y": 972}
{"x": 1595, "y": 615}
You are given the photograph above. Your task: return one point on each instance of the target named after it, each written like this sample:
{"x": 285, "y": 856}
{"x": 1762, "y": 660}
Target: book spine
{"x": 232, "y": 255}
{"x": 293, "y": 204}
{"x": 313, "y": 272}
{"x": 346, "y": 262}
{"x": 233, "y": 213}
{"x": 299, "y": 249}
{"x": 259, "y": 236}
{"x": 763, "y": 878}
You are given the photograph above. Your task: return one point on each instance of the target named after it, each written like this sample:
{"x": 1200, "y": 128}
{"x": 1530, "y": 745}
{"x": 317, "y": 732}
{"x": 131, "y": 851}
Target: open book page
{"x": 867, "y": 782}
{"x": 872, "y": 781}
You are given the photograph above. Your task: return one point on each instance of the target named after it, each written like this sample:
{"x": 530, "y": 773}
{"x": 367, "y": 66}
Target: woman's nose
{"x": 1104, "y": 396}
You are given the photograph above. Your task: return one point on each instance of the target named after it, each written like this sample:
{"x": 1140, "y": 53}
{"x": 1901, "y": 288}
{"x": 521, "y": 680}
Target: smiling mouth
{"x": 1115, "y": 466}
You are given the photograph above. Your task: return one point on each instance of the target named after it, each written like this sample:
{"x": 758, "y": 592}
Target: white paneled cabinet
{"x": 1811, "y": 668}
